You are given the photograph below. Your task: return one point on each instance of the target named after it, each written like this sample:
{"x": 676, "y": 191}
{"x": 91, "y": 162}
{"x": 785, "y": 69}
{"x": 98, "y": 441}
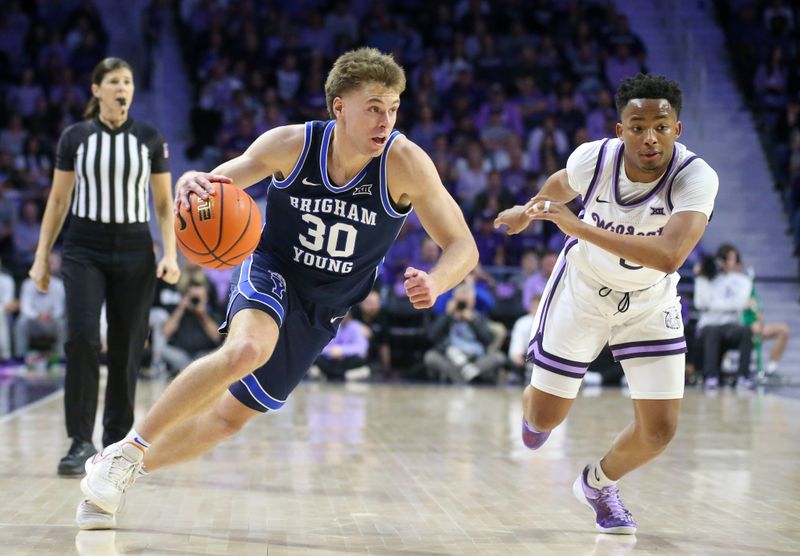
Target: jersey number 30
{"x": 315, "y": 238}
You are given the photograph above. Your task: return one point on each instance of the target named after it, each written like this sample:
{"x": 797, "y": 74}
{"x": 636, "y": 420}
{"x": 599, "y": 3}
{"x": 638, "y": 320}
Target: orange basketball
{"x": 221, "y": 231}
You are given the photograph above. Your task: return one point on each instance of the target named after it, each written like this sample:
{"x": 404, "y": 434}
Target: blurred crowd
{"x": 499, "y": 93}
{"x": 763, "y": 39}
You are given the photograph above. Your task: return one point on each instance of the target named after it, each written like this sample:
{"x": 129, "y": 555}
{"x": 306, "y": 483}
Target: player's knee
{"x": 543, "y": 414}
{"x": 658, "y": 434}
{"x": 226, "y": 426}
{"x": 246, "y": 354}
{"x": 543, "y": 421}
{"x": 541, "y": 417}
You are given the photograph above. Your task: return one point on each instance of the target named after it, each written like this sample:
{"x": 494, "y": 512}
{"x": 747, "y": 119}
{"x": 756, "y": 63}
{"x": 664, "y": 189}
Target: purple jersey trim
{"x": 653, "y": 192}
{"x": 598, "y": 169}
{"x": 683, "y": 165}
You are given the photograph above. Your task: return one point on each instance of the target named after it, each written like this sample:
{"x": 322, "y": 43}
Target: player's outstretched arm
{"x": 555, "y": 188}
{"x": 666, "y": 252}
{"x": 276, "y": 150}
{"x": 413, "y": 179}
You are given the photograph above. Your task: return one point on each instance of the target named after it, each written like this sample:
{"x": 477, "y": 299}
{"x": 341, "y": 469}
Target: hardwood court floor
{"x": 380, "y": 469}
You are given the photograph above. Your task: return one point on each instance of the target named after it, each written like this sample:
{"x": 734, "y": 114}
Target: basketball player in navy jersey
{"x": 647, "y": 200}
{"x": 340, "y": 192}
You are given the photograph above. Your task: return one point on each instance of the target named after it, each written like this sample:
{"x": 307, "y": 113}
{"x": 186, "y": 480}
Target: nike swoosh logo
{"x": 334, "y": 319}
{"x": 311, "y": 183}
{"x": 599, "y": 200}
{"x": 596, "y": 476}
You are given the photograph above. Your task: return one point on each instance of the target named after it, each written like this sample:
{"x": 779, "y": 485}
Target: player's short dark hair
{"x": 648, "y": 86}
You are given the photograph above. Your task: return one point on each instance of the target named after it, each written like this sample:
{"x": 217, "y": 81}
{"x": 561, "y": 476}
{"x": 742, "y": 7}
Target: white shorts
{"x": 578, "y": 316}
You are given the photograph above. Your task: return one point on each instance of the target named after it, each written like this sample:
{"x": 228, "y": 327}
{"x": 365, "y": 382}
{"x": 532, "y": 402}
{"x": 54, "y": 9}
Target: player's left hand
{"x": 420, "y": 288}
{"x": 168, "y": 270}
{"x": 557, "y": 213}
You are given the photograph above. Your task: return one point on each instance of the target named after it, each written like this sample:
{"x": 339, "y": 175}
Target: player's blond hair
{"x": 363, "y": 65}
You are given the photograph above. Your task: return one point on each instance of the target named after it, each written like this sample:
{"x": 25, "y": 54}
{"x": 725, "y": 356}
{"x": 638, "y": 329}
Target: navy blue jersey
{"x": 331, "y": 239}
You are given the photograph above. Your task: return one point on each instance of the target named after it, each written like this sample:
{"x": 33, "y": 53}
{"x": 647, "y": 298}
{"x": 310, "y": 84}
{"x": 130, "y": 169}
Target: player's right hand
{"x": 199, "y": 183}
{"x": 420, "y": 288}
{"x": 40, "y": 274}
{"x": 514, "y": 219}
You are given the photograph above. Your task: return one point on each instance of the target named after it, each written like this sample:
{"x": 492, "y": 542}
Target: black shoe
{"x": 72, "y": 464}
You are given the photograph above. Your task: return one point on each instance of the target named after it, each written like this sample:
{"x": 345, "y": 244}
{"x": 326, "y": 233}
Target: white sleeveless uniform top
{"x": 611, "y": 201}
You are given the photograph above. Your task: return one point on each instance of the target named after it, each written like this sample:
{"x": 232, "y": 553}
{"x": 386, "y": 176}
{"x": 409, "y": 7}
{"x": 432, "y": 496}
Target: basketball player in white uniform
{"x": 647, "y": 201}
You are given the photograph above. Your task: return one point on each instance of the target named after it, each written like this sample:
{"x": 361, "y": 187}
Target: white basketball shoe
{"x": 110, "y": 473}
{"x": 91, "y": 517}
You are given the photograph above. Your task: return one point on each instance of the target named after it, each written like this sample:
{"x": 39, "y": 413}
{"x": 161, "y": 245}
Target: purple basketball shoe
{"x": 532, "y": 438}
{"x": 611, "y": 515}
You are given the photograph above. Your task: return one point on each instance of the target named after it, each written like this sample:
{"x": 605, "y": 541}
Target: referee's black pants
{"x": 114, "y": 263}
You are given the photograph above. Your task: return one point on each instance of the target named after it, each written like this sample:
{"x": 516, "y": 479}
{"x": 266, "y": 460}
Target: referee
{"x": 104, "y": 166}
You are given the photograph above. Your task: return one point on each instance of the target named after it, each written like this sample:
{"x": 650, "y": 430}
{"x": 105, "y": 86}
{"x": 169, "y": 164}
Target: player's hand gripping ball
{"x": 221, "y": 231}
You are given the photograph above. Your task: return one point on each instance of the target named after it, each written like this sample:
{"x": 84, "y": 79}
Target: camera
{"x": 194, "y": 301}
{"x": 461, "y": 305}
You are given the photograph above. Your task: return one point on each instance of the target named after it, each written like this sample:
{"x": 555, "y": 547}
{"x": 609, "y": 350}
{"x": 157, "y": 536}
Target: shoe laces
{"x": 122, "y": 472}
{"x": 609, "y": 496}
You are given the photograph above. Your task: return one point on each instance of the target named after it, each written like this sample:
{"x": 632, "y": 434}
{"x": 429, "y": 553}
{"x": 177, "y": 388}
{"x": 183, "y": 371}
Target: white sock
{"x": 135, "y": 439}
{"x": 772, "y": 366}
{"x": 597, "y": 478}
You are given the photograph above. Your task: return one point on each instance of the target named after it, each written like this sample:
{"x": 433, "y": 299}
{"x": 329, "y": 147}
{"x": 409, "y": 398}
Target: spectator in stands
{"x": 514, "y": 176}
{"x": 495, "y": 197}
{"x": 598, "y": 116}
{"x": 533, "y": 103}
{"x": 777, "y": 331}
{"x": 35, "y": 162}
{"x": 191, "y": 329}
{"x": 587, "y": 68}
{"x": 771, "y": 84}
{"x": 535, "y": 284}
{"x": 490, "y": 242}
{"x": 520, "y": 338}
{"x": 9, "y": 304}
{"x": 8, "y": 218}
{"x": 26, "y": 237}
{"x": 621, "y": 64}
{"x": 461, "y": 337}
{"x": 167, "y": 297}
{"x": 370, "y": 314}
{"x": 41, "y": 314}
{"x": 345, "y": 357}
{"x": 721, "y": 295}
{"x": 547, "y": 138}
{"x": 12, "y": 138}
{"x": 507, "y": 111}
{"x": 621, "y": 34}
{"x": 425, "y": 131}
{"x": 23, "y": 96}
{"x": 569, "y": 115}
{"x": 472, "y": 177}
{"x": 428, "y": 254}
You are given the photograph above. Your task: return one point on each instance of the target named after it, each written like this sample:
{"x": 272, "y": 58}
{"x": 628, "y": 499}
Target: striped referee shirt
{"x": 112, "y": 169}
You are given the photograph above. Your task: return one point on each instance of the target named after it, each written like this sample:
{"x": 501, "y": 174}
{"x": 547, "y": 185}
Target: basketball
{"x": 221, "y": 231}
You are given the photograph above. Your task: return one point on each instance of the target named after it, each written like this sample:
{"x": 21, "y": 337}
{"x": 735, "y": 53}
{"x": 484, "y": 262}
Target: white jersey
{"x": 613, "y": 202}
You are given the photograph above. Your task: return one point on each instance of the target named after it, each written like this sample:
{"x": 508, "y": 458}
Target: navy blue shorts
{"x": 305, "y": 329}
